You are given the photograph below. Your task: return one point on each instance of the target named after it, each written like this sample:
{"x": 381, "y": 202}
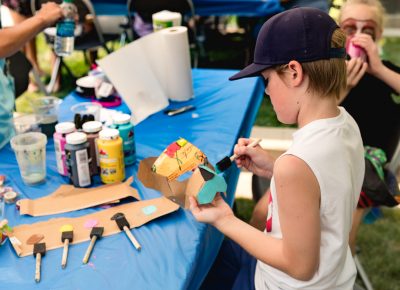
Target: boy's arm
{"x": 391, "y": 78}
{"x": 297, "y": 253}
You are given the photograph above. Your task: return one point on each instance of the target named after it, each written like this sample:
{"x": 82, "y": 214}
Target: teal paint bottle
{"x": 122, "y": 122}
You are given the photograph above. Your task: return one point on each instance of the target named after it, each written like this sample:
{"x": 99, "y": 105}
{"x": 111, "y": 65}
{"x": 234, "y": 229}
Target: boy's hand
{"x": 367, "y": 43}
{"x": 254, "y": 159}
{"x": 214, "y": 213}
{"x": 356, "y": 68}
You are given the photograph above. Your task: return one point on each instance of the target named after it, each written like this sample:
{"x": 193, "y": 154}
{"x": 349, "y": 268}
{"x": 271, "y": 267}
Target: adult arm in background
{"x": 297, "y": 253}
{"x": 356, "y": 67}
{"x": 13, "y": 38}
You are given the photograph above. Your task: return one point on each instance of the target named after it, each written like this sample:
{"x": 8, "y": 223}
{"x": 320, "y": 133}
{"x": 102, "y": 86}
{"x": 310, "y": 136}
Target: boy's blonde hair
{"x": 380, "y": 10}
{"x": 327, "y": 76}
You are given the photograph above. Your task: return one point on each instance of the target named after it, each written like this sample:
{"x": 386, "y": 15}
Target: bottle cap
{"x": 92, "y": 127}
{"x": 65, "y": 127}
{"x": 109, "y": 134}
{"x": 120, "y": 119}
{"x": 76, "y": 138}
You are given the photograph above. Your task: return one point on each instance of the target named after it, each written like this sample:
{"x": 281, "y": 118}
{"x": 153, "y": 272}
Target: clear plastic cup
{"x": 30, "y": 150}
{"x": 27, "y": 123}
{"x": 47, "y": 109}
{"x": 84, "y": 112}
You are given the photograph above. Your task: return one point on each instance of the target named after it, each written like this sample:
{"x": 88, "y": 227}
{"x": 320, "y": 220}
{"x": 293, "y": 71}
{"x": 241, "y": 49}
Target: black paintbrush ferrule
{"x": 97, "y": 232}
{"x": 122, "y": 222}
{"x": 224, "y": 164}
{"x": 39, "y": 248}
{"x": 68, "y": 235}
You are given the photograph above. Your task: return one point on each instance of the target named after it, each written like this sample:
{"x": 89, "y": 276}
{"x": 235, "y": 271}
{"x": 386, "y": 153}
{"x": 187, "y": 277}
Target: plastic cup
{"x": 47, "y": 109}
{"x": 30, "y": 150}
{"x": 84, "y": 112}
{"x": 27, "y": 123}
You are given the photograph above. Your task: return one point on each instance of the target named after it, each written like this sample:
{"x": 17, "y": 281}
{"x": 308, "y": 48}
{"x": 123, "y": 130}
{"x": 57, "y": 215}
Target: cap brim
{"x": 251, "y": 70}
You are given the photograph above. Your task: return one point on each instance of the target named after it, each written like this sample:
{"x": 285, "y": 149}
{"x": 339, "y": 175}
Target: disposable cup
{"x": 30, "y": 150}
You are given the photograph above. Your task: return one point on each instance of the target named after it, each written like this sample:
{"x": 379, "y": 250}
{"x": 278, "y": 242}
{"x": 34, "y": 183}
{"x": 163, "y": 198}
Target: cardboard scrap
{"x": 137, "y": 213}
{"x": 69, "y": 198}
{"x": 179, "y": 157}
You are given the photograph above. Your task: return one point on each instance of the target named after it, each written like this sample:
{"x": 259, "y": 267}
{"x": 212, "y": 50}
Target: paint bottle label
{"x": 82, "y": 164}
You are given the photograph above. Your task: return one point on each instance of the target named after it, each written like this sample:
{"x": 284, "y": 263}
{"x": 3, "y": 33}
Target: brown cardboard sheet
{"x": 69, "y": 198}
{"x": 137, "y": 213}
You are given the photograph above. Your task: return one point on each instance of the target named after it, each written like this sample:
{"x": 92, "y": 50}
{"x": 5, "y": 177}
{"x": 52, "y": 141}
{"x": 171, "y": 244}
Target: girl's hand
{"x": 254, "y": 159}
{"x": 356, "y": 68}
{"x": 213, "y": 213}
{"x": 365, "y": 41}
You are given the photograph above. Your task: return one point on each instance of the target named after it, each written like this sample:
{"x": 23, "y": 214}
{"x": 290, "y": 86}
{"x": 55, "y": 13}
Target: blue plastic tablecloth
{"x": 249, "y": 8}
{"x": 177, "y": 251}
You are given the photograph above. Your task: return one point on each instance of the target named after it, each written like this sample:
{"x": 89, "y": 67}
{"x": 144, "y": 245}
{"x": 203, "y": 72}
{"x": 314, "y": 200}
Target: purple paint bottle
{"x": 59, "y": 137}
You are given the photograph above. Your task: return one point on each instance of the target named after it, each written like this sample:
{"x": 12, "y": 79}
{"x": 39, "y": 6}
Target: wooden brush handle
{"x": 89, "y": 250}
{"x": 132, "y": 238}
{"x": 37, "y": 269}
{"x": 253, "y": 143}
{"x": 65, "y": 254}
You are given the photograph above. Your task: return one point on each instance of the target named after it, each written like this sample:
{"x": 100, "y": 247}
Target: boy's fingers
{"x": 193, "y": 205}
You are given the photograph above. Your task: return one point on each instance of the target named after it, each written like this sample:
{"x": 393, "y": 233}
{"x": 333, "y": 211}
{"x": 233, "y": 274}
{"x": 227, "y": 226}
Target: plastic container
{"x": 109, "y": 144}
{"x": 47, "y": 109}
{"x": 59, "y": 137}
{"x": 30, "y": 150}
{"x": 122, "y": 122}
{"x": 64, "y": 39}
{"x": 78, "y": 159}
{"x": 85, "y": 112}
{"x": 92, "y": 130}
{"x": 27, "y": 123}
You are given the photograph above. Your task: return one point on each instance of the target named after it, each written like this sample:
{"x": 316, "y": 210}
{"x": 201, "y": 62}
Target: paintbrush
{"x": 95, "y": 234}
{"x": 39, "y": 250}
{"x": 226, "y": 162}
{"x": 66, "y": 238}
{"x": 123, "y": 225}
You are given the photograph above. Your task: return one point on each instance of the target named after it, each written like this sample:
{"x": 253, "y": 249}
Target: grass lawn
{"x": 379, "y": 242}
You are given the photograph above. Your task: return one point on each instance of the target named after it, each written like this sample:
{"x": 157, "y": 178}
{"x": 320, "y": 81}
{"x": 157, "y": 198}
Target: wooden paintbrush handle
{"x": 253, "y": 143}
{"x": 65, "y": 254}
{"x": 132, "y": 238}
{"x": 89, "y": 250}
{"x": 37, "y": 269}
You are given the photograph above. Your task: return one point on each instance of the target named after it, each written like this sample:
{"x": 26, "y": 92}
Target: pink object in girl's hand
{"x": 356, "y": 51}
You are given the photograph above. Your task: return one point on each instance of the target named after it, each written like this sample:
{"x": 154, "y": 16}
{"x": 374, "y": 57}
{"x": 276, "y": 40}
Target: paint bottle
{"x": 122, "y": 122}
{"x": 62, "y": 129}
{"x": 111, "y": 156}
{"x": 92, "y": 129}
{"x": 78, "y": 159}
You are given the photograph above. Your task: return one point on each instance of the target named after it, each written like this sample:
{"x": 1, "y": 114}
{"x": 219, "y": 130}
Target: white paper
{"x": 149, "y": 71}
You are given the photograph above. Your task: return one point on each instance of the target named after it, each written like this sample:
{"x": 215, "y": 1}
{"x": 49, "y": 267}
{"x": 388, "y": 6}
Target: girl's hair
{"x": 380, "y": 10}
{"x": 327, "y": 76}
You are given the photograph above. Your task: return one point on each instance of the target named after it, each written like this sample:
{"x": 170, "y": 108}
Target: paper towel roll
{"x": 149, "y": 71}
{"x": 176, "y": 57}
{"x": 165, "y": 18}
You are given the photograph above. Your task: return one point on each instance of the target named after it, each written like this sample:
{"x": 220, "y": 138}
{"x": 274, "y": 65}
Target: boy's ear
{"x": 296, "y": 72}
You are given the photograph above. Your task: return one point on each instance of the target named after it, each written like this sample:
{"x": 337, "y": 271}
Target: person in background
{"x": 20, "y": 10}
{"x": 12, "y": 40}
{"x": 372, "y": 83}
{"x": 315, "y": 184}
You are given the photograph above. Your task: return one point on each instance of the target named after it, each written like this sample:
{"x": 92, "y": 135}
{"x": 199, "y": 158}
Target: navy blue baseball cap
{"x": 303, "y": 34}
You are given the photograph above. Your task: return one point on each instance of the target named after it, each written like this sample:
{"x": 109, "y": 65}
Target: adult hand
{"x": 356, "y": 68}
{"x": 214, "y": 213}
{"x": 365, "y": 41}
{"x": 49, "y": 13}
{"x": 254, "y": 159}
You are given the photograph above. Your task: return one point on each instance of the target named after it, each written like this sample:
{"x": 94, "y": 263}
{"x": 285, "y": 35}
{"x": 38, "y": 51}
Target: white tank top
{"x": 333, "y": 149}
